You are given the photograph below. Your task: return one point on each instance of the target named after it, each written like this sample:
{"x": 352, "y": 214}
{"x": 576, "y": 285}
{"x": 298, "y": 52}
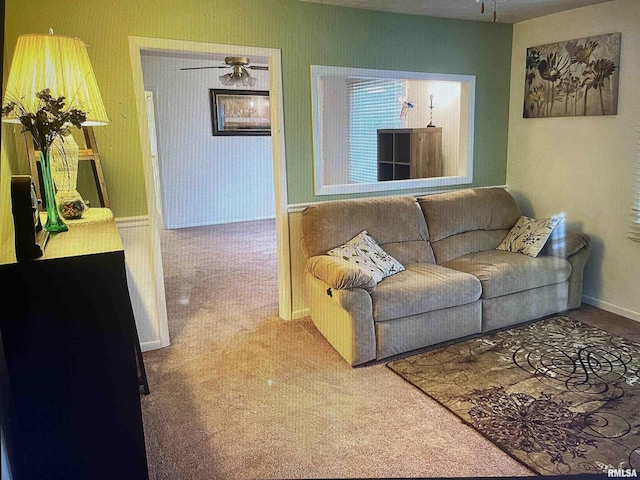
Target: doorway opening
{"x": 157, "y": 205}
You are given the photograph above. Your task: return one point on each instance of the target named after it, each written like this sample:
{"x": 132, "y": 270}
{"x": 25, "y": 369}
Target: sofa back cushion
{"x": 468, "y": 221}
{"x": 396, "y": 224}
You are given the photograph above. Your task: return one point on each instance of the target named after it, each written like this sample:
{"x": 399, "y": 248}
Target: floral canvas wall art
{"x": 573, "y": 78}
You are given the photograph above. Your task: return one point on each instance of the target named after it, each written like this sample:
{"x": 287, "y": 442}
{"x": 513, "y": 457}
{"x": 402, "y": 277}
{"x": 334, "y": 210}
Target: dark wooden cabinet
{"x": 71, "y": 383}
{"x": 405, "y": 153}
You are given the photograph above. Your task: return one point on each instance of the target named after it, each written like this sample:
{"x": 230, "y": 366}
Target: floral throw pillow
{"x": 528, "y": 235}
{"x": 366, "y": 253}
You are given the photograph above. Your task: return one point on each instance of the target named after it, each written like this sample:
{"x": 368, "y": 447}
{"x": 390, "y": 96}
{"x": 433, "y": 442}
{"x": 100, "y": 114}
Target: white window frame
{"x": 465, "y": 174}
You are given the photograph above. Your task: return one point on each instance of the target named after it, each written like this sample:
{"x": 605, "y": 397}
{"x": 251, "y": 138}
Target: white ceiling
{"x": 509, "y": 11}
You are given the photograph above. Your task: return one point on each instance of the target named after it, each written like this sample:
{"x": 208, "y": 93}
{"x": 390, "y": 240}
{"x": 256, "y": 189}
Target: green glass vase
{"x": 54, "y": 223}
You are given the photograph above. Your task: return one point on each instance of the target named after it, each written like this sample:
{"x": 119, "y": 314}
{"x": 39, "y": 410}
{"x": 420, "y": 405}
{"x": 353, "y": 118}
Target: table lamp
{"x": 44, "y": 69}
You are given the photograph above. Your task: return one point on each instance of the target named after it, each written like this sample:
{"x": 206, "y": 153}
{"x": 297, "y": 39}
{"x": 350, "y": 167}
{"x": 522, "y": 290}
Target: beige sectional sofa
{"x": 454, "y": 283}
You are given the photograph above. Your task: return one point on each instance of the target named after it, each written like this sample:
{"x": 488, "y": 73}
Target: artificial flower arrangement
{"x": 50, "y": 121}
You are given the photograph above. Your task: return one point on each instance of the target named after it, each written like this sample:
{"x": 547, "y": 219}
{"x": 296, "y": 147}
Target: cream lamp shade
{"x": 60, "y": 64}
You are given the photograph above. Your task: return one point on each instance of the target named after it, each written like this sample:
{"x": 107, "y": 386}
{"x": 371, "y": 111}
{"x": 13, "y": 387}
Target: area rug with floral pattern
{"x": 559, "y": 395}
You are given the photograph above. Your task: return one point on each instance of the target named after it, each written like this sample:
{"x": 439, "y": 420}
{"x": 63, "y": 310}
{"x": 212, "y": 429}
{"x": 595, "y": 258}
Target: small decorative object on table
{"x": 431, "y": 111}
{"x": 65, "y": 175}
{"x": 407, "y": 105}
{"x": 30, "y": 237}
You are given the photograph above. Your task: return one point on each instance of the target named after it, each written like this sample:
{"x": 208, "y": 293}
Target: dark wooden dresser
{"x": 72, "y": 368}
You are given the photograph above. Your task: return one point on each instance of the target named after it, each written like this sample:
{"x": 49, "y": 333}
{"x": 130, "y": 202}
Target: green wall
{"x": 307, "y": 34}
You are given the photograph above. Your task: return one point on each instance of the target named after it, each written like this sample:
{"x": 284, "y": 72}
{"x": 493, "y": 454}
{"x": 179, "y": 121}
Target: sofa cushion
{"x": 421, "y": 288}
{"x": 363, "y": 251}
{"x": 502, "y": 272}
{"x": 396, "y": 223}
{"x": 528, "y": 235}
{"x": 467, "y": 210}
{"x": 467, "y": 242}
{"x": 468, "y": 221}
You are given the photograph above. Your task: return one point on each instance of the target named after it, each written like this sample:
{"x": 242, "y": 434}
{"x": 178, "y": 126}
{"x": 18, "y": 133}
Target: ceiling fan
{"x": 240, "y": 74}
{"x": 495, "y": 2}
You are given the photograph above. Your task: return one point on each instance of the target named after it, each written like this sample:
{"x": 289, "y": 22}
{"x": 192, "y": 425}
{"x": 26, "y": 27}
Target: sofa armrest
{"x": 345, "y": 319}
{"x": 568, "y": 245}
{"x": 339, "y": 273}
{"x": 574, "y": 247}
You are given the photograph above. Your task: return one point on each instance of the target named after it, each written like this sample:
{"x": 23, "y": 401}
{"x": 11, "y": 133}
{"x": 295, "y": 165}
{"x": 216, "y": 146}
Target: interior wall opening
{"x": 139, "y": 46}
{"x": 213, "y": 191}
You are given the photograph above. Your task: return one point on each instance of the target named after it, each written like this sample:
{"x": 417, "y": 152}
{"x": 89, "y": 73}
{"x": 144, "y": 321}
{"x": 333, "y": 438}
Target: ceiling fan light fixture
{"x": 249, "y": 81}
{"x": 239, "y": 76}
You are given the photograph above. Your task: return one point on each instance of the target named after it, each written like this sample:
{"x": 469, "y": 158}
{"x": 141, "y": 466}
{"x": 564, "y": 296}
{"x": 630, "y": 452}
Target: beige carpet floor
{"x": 241, "y": 394}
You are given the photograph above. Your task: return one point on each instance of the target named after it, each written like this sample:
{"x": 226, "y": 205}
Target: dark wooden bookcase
{"x": 405, "y": 153}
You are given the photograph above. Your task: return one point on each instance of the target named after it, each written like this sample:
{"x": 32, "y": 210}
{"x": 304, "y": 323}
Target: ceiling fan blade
{"x": 200, "y": 68}
{"x": 257, "y": 67}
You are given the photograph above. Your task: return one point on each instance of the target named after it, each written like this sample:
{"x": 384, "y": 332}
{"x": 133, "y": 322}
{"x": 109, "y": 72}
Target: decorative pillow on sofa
{"x": 366, "y": 253}
{"x": 529, "y": 235}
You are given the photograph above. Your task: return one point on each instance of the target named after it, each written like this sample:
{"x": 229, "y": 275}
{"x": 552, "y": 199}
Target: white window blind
{"x": 373, "y": 104}
{"x": 634, "y": 230}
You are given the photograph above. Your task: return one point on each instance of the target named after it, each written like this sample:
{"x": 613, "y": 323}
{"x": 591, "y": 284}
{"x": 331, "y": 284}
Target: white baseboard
{"x": 609, "y": 307}
{"x": 152, "y": 345}
{"x": 219, "y": 222}
{"x": 132, "y": 222}
{"x": 297, "y": 314}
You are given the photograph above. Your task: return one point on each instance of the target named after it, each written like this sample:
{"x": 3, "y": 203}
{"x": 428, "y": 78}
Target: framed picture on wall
{"x": 573, "y": 78}
{"x": 240, "y": 112}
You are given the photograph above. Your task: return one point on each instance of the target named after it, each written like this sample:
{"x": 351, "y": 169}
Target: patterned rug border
{"x": 445, "y": 345}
